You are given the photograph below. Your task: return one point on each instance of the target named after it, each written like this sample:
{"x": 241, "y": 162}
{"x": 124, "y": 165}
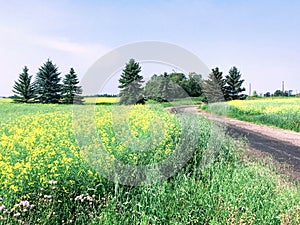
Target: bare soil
{"x": 282, "y": 146}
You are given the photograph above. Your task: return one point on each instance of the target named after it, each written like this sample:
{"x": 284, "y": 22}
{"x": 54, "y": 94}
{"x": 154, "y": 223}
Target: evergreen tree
{"x": 219, "y": 78}
{"x": 254, "y": 94}
{"x": 47, "y": 86}
{"x": 131, "y": 84}
{"x": 214, "y": 86}
{"x": 233, "y": 86}
{"x": 23, "y": 88}
{"x": 70, "y": 90}
{"x": 165, "y": 88}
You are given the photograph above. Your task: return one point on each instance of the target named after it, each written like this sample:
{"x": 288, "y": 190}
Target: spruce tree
{"x": 47, "y": 86}
{"x": 131, "y": 84}
{"x": 233, "y": 86}
{"x": 165, "y": 88}
{"x": 214, "y": 86}
{"x": 23, "y": 88}
{"x": 70, "y": 90}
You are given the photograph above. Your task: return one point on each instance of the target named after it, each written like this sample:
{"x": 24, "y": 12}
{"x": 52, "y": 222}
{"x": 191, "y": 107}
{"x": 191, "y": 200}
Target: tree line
{"x": 169, "y": 86}
{"x": 276, "y": 93}
{"x": 47, "y": 86}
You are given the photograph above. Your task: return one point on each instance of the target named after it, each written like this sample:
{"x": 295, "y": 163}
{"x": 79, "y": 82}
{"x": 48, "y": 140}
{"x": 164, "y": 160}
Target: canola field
{"x": 101, "y": 100}
{"x": 279, "y": 112}
{"x": 57, "y": 166}
{"x": 38, "y": 144}
{"x": 38, "y": 149}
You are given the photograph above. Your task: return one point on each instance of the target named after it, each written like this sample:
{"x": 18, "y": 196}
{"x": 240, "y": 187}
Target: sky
{"x": 259, "y": 37}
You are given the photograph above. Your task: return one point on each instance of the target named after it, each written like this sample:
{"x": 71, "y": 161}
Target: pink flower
{"x": 79, "y": 198}
{"x": 24, "y": 203}
{"x": 17, "y": 214}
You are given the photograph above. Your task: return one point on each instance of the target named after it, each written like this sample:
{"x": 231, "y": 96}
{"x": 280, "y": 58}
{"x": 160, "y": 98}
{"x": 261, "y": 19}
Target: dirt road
{"x": 282, "y": 145}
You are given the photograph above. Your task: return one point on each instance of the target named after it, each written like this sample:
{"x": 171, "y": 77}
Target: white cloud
{"x": 19, "y": 48}
{"x": 57, "y": 43}
{"x": 63, "y": 44}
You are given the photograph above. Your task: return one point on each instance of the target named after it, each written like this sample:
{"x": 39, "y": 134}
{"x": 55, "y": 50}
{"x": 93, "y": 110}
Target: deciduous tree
{"x": 194, "y": 85}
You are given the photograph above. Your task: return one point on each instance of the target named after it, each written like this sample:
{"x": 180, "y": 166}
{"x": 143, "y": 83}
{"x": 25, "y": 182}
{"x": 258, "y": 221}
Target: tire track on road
{"x": 282, "y": 145}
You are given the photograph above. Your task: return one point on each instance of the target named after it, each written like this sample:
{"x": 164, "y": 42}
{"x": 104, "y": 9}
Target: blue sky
{"x": 261, "y": 38}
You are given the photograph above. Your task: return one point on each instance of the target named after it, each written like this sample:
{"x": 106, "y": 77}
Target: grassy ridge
{"x": 45, "y": 178}
{"x": 279, "y": 112}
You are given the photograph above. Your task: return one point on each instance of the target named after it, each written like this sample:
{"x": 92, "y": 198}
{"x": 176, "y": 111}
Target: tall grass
{"x": 279, "y": 112}
{"x": 214, "y": 186}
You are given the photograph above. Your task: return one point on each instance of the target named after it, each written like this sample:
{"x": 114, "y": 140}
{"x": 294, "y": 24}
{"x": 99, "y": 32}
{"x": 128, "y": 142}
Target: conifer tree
{"x": 47, "y": 86}
{"x": 23, "y": 88}
{"x": 131, "y": 84}
{"x": 165, "y": 88}
{"x": 70, "y": 90}
{"x": 233, "y": 86}
{"x": 214, "y": 86}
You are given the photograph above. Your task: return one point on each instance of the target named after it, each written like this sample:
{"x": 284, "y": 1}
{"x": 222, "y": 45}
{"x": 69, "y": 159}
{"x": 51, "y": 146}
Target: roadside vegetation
{"x": 276, "y": 111}
{"x": 46, "y": 178}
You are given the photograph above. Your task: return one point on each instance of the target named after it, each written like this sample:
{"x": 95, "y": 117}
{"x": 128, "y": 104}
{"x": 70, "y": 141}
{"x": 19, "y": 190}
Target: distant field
{"x": 101, "y": 100}
{"x": 279, "y": 112}
{"x": 5, "y": 100}
{"x": 94, "y": 100}
{"x": 114, "y": 100}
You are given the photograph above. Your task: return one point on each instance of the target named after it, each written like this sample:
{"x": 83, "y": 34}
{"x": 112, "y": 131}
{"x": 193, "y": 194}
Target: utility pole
{"x": 249, "y": 89}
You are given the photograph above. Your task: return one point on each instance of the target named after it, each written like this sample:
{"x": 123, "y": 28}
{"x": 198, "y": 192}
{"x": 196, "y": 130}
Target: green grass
{"x": 179, "y": 102}
{"x": 278, "y": 112}
{"x": 216, "y": 186}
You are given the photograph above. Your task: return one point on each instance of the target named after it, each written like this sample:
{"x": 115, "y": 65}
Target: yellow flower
{"x": 14, "y": 188}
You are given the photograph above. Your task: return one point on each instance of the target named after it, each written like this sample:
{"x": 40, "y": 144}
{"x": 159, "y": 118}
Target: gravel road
{"x": 282, "y": 145}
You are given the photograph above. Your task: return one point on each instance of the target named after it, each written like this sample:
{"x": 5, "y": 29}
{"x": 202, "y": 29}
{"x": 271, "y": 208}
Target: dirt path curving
{"x": 282, "y": 145}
